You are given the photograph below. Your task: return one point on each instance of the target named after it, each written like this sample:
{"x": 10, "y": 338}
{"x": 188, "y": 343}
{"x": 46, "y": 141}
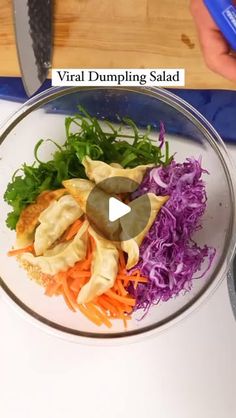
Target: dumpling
{"x": 104, "y": 269}
{"x": 131, "y": 246}
{"x": 63, "y": 255}
{"x": 116, "y": 165}
{"x": 54, "y": 221}
{"x": 96, "y": 208}
{"x": 98, "y": 171}
{"x": 29, "y": 217}
{"x": 80, "y": 190}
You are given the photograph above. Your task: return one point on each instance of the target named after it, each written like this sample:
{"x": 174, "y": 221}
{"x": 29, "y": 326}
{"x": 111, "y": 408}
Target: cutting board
{"x": 119, "y": 34}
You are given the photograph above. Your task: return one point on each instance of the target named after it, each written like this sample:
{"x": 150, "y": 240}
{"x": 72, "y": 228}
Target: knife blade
{"x": 33, "y": 32}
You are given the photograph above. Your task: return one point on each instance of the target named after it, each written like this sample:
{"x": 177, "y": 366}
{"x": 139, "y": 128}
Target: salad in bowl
{"x": 110, "y": 270}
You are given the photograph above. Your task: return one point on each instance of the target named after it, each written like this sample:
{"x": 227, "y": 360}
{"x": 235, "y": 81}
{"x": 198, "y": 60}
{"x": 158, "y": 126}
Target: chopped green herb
{"x": 84, "y": 136}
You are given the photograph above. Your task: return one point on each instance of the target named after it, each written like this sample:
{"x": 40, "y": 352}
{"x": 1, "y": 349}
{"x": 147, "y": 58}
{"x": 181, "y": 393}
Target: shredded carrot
{"x": 92, "y": 307}
{"x": 28, "y": 249}
{"x": 90, "y": 315}
{"x": 116, "y": 303}
{"x": 73, "y": 229}
{"x": 125, "y": 319}
{"x": 138, "y": 279}
{"x": 77, "y": 284}
{"x": 69, "y": 295}
{"x": 80, "y": 274}
{"x": 105, "y": 311}
{"x": 68, "y": 303}
{"x": 115, "y": 287}
{"x": 122, "y": 308}
{"x": 136, "y": 283}
{"x": 121, "y": 289}
{"x": 81, "y": 265}
{"x": 126, "y": 281}
{"x": 59, "y": 277}
{"x": 125, "y": 300}
{"x": 105, "y": 302}
{"x": 132, "y": 278}
{"x": 122, "y": 271}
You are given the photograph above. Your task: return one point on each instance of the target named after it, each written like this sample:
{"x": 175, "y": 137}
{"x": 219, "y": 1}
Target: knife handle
{"x": 224, "y": 15}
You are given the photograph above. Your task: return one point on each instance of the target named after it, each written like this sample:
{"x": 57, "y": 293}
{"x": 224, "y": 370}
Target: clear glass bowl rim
{"x": 212, "y": 136}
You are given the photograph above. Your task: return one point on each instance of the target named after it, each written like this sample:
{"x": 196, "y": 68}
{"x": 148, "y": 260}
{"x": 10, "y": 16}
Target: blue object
{"x": 12, "y": 88}
{"x": 224, "y": 14}
{"x": 218, "y": 106}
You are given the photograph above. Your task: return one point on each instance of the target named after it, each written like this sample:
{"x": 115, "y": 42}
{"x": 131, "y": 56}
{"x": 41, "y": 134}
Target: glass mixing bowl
{"x": 188, "y": 133}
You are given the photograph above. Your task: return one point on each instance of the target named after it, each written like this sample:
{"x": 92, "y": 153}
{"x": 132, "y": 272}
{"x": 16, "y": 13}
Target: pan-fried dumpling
{"x": 28, "y": 220}
{"x": 104, "y": 269}
{"x": 96, "y": 208}
{"x": 98, "y": 171}
{"x": 80, "y": 190}
{"x": 63, "y": 255}
{"x": 54, "y": 221}
{"x": 116, "y": 165}
{"x": 131, "y": 246}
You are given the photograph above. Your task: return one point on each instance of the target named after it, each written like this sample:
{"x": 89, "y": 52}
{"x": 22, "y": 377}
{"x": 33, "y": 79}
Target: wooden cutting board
{"x": 119, "y": 34}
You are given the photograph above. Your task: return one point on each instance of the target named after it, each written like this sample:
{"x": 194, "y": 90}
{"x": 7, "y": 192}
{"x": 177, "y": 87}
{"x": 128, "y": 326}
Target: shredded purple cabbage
{"x": 162, "y": 134}
{"x": 168, "y": 255}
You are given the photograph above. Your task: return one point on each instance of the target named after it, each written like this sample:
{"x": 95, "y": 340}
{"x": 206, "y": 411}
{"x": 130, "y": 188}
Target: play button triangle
{"x": 107, "y": 214}
{"x": 117, "y": 209}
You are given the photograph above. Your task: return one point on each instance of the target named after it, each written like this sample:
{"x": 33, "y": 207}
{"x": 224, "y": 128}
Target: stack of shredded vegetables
{"x": 116, "y": 303}
{"x": 168, "y": 255}
{"x": 169, "y": 259}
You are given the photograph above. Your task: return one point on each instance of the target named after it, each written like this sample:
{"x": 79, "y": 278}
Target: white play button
{"x": 117, "y": 209}
{"x": 107, "y": 214}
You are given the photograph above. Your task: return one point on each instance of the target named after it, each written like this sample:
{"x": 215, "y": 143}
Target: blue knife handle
{"x": 224, "y": 14}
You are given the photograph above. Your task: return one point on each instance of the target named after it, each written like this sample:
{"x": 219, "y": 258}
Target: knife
{"x": 224, "y": 14}
{"x": 33, "y": 32}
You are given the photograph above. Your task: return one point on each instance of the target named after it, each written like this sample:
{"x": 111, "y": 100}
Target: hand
{"x": 217, "y": 53}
